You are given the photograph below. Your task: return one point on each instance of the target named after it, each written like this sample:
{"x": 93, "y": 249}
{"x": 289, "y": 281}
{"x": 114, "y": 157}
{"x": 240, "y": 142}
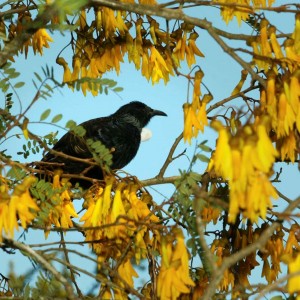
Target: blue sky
{"x": 221, "y": 75}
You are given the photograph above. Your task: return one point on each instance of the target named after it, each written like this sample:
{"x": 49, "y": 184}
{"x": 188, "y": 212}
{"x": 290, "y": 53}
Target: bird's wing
{"x": 69, "y": 144}
{"x": 122, "y": 139}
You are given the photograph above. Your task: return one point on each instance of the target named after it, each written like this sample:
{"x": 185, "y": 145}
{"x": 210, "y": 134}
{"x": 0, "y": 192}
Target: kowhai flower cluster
{"x": 156, "y": 54}
{"x": 245, "y": 159}
{"x": 16, "y": 206}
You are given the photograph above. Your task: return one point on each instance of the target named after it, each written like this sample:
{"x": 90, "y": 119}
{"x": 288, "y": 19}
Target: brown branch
{"x": 271, "y": 287}
{"x": 20, "y": 9}
{"x": 169, "y": 158}
{"x": 163, "y": 180}
{"x": 232, "y": 97}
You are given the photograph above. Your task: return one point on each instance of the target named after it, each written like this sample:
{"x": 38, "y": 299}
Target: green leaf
{"x": 118, "y": 89}
{"x": 6, "y": 66}
{"x": 35, "y": 85}
{"x": 71, "y": 124}
{"x": 56, "y": 118}
{"x": 45, "y": 114}
{"x": 19, "y": 85}
{"x": 16, "y": 173}
{"x": 39, "y": 78}
{"x": 48, "y": 87}
{"x": 204, "y": 147}
{"x": 14, "y": 75}
{"x": 203, "y": 158}
{"x": 79, "y": 130}
{"x": 112, "y": 83}
{"x": 277, "y": 298}
{"x": 10, "y": 71}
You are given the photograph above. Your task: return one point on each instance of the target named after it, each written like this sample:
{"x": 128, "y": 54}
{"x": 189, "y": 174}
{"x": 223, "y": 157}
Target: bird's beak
{"x": 158, "y": 113}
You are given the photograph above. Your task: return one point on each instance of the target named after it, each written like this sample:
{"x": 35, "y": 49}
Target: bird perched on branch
{"x": 120, "y": 133}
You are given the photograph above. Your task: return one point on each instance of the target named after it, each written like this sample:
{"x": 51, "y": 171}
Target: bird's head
{"x": 137, "y": 114}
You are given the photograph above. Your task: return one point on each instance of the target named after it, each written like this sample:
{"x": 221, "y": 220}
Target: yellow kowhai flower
{"x": 239, "y": 86}
{"x": 67, "y": 77}
{"x": 115, "y": 210}
{"x": 63, "y": 211}
{"x": 271, "y": 97}
{"x": 139, "y": 211}
{"x": 273, "y": 252}
{"x": 262, "y": 46}
{"x": 40, "y": 39}
{"x": 296, "y": 34}
{"x": 146, "y": 65}
{"x": 107, "y": 293}
{"x": 264, "y": 41}
{"x": 218, "y": 248}
{"x": 18, "y": 206}
{"x": 294, "y": 93}
{"x": 191, "y": 49}
{"x": 93, "y": 218}
{"x": 197, "y": 86}
{"x": 287, "y": 147}
{"x": 120, "y": 24}
{"x": 245, "y": 161}
{"x": 153, "y": 26}
{"x": 179, "y": 50}
{"x": 292, "y": 241}
{"x": 111, "y": 58}
{"x": 274, "y": 43}
{"x": 160, "y": 70}
{"x": 291, "y": 54}
{"x": 77, "y": 62}
{"x": 264, "y": 146}
{"x": 209, "y": 214}
{"x": 293, "y": 282}
{"x": 240, "y": 12}
{"x": 256, "y": 47}
{"x": 127, "y": 272}
{"x": 268, "y": 272}
{"x": 281, "y": 102}
{"x": 222, "y": 158}
{"x": 173, "y": 278}
{"x": 195, "y": 117}
{"x": 82, "y": 20}
{"x": 286, "y": 116}
{"x": 191, "y": 124}
{"x": 134, "y": 47}
{"x": 109, "y": 21}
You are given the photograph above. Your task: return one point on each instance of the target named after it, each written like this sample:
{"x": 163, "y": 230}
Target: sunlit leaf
{"x": 56, "y": 118}
{"x": 45, "y": 114}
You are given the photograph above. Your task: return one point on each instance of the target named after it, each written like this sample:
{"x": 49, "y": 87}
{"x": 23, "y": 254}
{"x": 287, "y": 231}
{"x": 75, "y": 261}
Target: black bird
{"x": 119, "y": 132}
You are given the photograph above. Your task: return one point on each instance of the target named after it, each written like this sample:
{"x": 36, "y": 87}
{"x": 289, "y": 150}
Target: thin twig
{"x": 170, "y": 157}
{"x": 72, "y": 276}
{"x": 44, "y": 263}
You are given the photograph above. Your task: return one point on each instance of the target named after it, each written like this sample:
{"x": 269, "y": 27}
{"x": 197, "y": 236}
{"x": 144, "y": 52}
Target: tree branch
{"x": 44, "y": 263}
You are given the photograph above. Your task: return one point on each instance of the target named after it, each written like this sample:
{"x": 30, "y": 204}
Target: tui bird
{"x": 119, "y": 132}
